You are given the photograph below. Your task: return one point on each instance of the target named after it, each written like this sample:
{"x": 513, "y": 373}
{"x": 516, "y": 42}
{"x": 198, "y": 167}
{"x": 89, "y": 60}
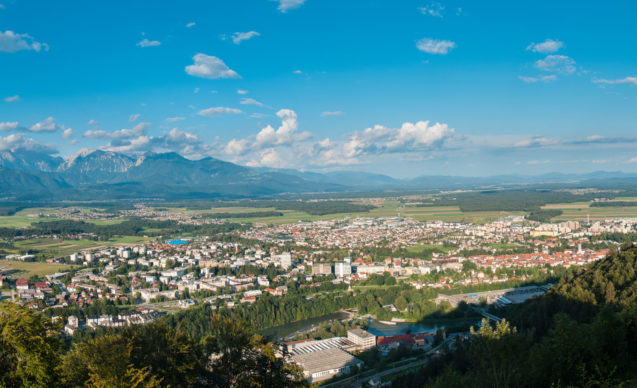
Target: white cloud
{"x": 633, "y": 160}
{"x": 195, "y": 90}
{"x": 67, "y": 133}
{"x": 236, "y": 147}
{"x": 218, "y": 111}
{"x": 286, "y": 5}
{"x": 94, "y": 123}
{"x": 239, "y": 37}
{"x": 269, "y": 157}
{"x": 185, "y": 143}
{"x": 544, "y": 78}
{"x": 174, "y": 119}
{"x": 297, "y": 72}
{"x": 137, "y": 131}
{"x": 190, "y": 25}
{"x": 148, "y": 43}
{"x": 536, "y": 141}
{"x": 546, "y": 47}
{"x": 556, "y": 64}
{"x": 250, "y": 101}
{"x": 207, "y": 66}
{"x": 133, "y": 117}
{"x": 626, "y": 80}
{"x": 12, "y": 98}
{"x": 46, "y": 125}
{"x": 11, "y": 42}
{"x": 433, "y": 46}
{"x": 332, "y": 113}
{"x": 8, "y": 126}
{"x": 239, "y": 91}
{"x": 129, "y": 145}
{"x": 285, "y": 134}
{"x": 434, "y": 9}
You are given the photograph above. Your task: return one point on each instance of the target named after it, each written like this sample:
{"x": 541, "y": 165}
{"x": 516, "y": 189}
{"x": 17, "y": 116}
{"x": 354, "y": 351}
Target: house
{"x": 22, "y": 284}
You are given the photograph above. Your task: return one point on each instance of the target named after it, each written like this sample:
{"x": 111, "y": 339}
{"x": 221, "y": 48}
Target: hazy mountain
{"x": 29, "y": 184}
{"x": 96, "y": 174}
{"x": 29, "y": 160}
{"x": 95, "y": 166}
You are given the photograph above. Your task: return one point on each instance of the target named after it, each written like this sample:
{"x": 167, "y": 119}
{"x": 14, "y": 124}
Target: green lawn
{"x": 30, "y": 269}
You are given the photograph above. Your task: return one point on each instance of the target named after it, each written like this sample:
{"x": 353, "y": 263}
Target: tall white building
{"x": 285, "y": 260}
{"x": 342, "y": 269}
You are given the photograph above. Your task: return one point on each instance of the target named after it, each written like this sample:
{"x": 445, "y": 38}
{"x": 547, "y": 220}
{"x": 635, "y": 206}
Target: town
{"x": 483, "y": 265}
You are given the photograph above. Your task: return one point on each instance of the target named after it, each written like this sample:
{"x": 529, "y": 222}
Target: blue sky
{"x": 404, "y": 88}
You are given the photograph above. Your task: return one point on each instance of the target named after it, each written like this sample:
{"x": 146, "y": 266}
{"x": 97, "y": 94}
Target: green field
{"x": 24, "y": 218}
{"x": 384, "y": 208}
{"x": 30, "y": 269}
{"x": 581, "y": 211}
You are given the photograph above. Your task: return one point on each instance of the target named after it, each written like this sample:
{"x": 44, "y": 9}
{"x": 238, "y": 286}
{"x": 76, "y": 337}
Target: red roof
{"x": 22, "y": 282}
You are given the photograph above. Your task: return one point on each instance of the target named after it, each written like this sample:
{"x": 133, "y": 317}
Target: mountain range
{"x": 101, "y": 175}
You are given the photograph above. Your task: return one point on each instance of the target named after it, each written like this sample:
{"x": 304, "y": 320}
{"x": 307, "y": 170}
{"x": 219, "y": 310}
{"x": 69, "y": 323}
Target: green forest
{"x": 581, "y": 333}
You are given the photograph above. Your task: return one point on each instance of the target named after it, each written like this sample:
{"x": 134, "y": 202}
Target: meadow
{"x": 27, "y": 269}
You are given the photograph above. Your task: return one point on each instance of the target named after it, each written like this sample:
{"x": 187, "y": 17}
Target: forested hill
{"x": 582, "y": 333}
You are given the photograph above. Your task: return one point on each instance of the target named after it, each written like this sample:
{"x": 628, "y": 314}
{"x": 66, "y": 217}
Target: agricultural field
{"x": 24, "y": 218}
{"x": 29, "y": 269}
{"x": 384, "y": 208}
{"x": 581, "y": 211}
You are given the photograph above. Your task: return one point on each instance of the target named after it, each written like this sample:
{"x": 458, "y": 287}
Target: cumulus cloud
{"x": 185, "y": 143}
{"x": 332, "y": 113}
{"x": 137, "y": 131}
{"x": 190, "y": 25}
{"x": 544, "y": 78}
{"x": 218, "y": 111}
{"x": 94, "y": 123}
{"x": 240, "y": 91}
{"x": 250, "y": 101}
{"x": 287, "y": 146}
{"x": 17, "y": 141}
{"x": 47, "y": 125}
{"x": 409, "y": 137}
{"x": 148, "y": 43}
{"x": 627, "y": 80}
{"x": 285, "y": 134}
{"x": 67, "y": 133}
{"x": 8, "y": 126}
{"x": 546, "y": 47}
{"x": 236, "y": 147}
{"x": 286, "y": 5}
{"x": 211, "y": 67}
{"x": 560, "y": 64}
{"x": 434, "y": 9}
{"x": 434, "y": 46}
{"x": 132, "y": 118}
{"x": 239, "y": 37}
{"x": 13, "y": 98}
{"x": 11, "y": 42}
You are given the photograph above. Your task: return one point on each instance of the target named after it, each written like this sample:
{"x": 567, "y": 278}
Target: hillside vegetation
{"x": 582, "y": 333}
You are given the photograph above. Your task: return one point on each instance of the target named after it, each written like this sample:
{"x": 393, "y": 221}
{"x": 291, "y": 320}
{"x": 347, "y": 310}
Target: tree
{"x": 29, "y": 352}
{"x": 241, "y": 359}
